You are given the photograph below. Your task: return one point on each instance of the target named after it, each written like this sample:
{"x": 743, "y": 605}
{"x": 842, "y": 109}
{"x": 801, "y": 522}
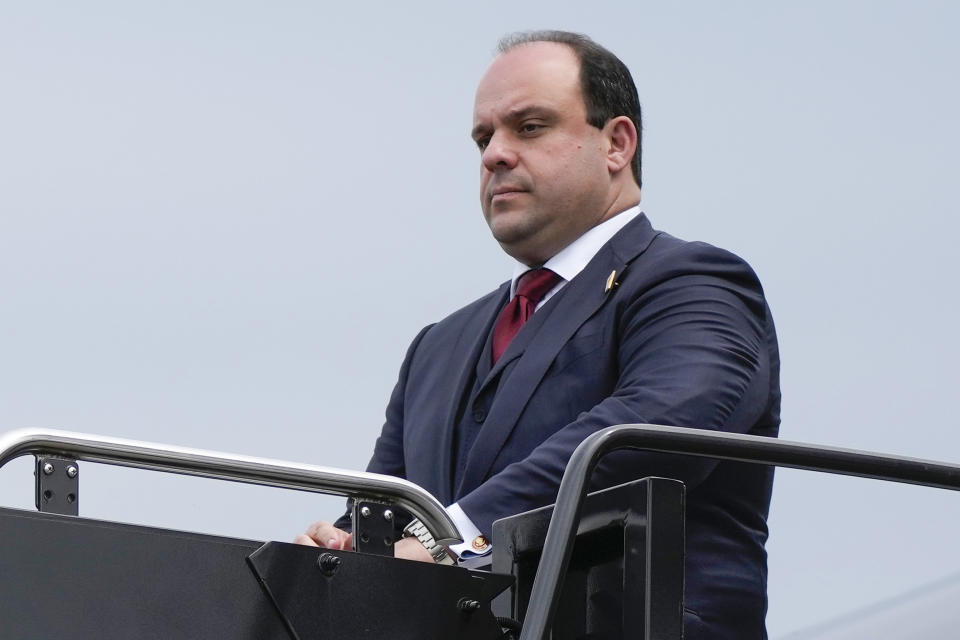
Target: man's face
{"x": 544, "y": 178}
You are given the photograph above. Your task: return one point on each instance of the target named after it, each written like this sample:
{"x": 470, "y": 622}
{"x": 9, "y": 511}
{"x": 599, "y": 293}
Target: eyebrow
{"x": 478, "y": 131}
{"x": 514, "y": 115}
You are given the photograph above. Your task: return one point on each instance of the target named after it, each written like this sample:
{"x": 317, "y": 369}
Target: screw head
{"x": 388, "y": 515}
{"x": 365, "y": 512}
{"x": 72, "y": 471}
{"x": 328, "y": 563}
{"x": 47, "y": 468}
{"x": 468, "y": 606}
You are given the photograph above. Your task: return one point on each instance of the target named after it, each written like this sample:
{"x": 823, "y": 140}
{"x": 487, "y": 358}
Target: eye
{"x": 530, "y": 127}
{"x": 482, "y": 142}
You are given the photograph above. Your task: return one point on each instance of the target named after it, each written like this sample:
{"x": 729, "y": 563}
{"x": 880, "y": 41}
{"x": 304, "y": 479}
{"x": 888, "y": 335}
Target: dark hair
{"x": 605, "y": 82}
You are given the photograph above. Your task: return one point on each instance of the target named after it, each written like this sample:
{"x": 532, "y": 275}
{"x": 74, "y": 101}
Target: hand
{"x": 411, "y": 549}
{"x": 324, "y": 534}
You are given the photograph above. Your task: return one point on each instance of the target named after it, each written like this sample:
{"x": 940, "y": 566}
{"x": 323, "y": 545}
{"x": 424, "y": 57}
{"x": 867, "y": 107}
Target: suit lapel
{"x": 469, "y": 351}
{"x": 516, "y": 347}
{"x": 541, "y": 339}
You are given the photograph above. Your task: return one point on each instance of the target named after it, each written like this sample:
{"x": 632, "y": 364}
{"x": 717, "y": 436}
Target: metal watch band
{"x": 418, "y": 530}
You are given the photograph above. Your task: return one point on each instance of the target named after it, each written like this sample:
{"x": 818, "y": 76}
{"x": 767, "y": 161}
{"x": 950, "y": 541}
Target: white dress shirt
{"x": 566, "y": 264}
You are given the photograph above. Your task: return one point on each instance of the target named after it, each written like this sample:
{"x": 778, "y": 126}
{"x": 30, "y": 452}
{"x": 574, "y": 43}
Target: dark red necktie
{"x": 531, "y": 287}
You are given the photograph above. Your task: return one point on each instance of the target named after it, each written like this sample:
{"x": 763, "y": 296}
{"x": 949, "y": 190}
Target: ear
{"x": 621, "y": 137}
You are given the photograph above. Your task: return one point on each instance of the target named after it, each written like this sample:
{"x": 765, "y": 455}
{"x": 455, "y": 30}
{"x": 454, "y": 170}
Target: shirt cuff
{"x": 475, "y": 550}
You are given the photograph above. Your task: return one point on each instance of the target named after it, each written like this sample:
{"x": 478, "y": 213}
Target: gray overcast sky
{"x": 222, "y": 222}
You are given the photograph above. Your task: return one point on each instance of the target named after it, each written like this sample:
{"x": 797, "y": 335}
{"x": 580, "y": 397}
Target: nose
{"x": 499, "y": 154}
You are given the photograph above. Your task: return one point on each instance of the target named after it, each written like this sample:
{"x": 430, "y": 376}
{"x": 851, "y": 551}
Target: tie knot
{"x": 535, "y": 284}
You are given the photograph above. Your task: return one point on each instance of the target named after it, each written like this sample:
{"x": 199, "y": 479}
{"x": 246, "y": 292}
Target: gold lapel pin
{"x": 610, "y": 281}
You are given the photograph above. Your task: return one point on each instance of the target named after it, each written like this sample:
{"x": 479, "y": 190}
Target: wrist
{"x": 418, "y": 532}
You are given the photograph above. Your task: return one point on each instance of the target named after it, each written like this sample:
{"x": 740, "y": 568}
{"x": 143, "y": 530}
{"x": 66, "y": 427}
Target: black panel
{"x": 66, "y": 577}
{"x": 357, "y": 596}
{"x": 76, "y": 578}
{"x": 630, "y": 538}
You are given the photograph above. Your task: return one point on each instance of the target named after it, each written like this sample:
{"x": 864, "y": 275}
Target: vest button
{"x": 479, "y": 415}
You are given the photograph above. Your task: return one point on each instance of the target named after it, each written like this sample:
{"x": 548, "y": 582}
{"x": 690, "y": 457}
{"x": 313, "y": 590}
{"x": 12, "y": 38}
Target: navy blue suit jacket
{"x": 685, "y": 338}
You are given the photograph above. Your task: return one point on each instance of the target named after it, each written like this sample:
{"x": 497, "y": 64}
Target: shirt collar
{"x": 575, "y": 256}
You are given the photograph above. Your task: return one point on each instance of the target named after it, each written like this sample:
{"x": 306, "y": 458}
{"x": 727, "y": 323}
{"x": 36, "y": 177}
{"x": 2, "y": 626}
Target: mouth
{"x": 503, "y": 193}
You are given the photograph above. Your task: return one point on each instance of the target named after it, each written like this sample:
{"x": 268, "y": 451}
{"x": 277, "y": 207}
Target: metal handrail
{"x": 236, "y": 468}
{"x": 558, "y": 544}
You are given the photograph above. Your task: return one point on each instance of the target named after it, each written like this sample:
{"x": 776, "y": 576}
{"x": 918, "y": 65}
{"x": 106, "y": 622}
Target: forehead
{"x": 536, "y": 74}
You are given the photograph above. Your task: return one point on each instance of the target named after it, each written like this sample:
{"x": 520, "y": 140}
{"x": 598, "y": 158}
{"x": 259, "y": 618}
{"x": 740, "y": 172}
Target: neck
{"x": 625, "y": 197}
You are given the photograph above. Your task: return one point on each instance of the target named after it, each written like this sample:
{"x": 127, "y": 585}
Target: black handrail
{"x": 697, "y": 442}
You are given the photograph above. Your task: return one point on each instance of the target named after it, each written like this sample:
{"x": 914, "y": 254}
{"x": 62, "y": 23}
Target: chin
{"x": 508, "y": 225}
{"x": 522, "y": 250}
{"x": 508, "y": 235}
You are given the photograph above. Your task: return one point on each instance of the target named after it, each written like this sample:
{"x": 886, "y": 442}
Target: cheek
{"x": 484, "y": 204}
{"x": 570, "y": 169}
{"x": 590, "y": 165}
{"x": 572, "y": 156}
{"x": 485, "y": 177}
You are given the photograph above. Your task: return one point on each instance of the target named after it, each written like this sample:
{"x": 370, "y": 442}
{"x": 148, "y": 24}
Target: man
{"x": 623, "y": 324}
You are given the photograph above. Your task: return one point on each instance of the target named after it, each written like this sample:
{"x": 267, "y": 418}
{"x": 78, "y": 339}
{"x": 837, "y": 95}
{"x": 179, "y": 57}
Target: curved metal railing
{"x": 236, "y": 468}
{"x": 573, "y": 488}
{"x": 558, "y": 544}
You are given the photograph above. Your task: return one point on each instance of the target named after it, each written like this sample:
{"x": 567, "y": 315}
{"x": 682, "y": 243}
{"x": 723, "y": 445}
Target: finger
{"x": 323, "y": 531}
{"x": 305, "y": 540}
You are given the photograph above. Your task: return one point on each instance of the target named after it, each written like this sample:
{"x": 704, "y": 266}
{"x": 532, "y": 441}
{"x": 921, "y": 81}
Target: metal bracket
{"x": 57, "y": 485}
{"x": 373, "y": 527}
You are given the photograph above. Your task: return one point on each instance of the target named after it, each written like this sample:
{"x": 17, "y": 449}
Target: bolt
{"x": 468, "y": 606}
{"x": 365, "y": 511}
{"x": 388, "y": 515}
{"x": 72, "y": 471}
{"x": 48, "y": 468}
{"x": 328, "y": 563}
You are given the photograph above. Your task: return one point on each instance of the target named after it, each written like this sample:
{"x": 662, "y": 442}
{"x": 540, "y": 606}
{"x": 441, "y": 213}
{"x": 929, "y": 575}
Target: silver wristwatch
{"x": 418, "y": 530}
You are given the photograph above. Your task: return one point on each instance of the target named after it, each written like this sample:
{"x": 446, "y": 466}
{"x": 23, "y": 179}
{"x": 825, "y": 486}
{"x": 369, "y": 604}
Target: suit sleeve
{"x": 388, "y": 451}
{"x": 692, "y": 350}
